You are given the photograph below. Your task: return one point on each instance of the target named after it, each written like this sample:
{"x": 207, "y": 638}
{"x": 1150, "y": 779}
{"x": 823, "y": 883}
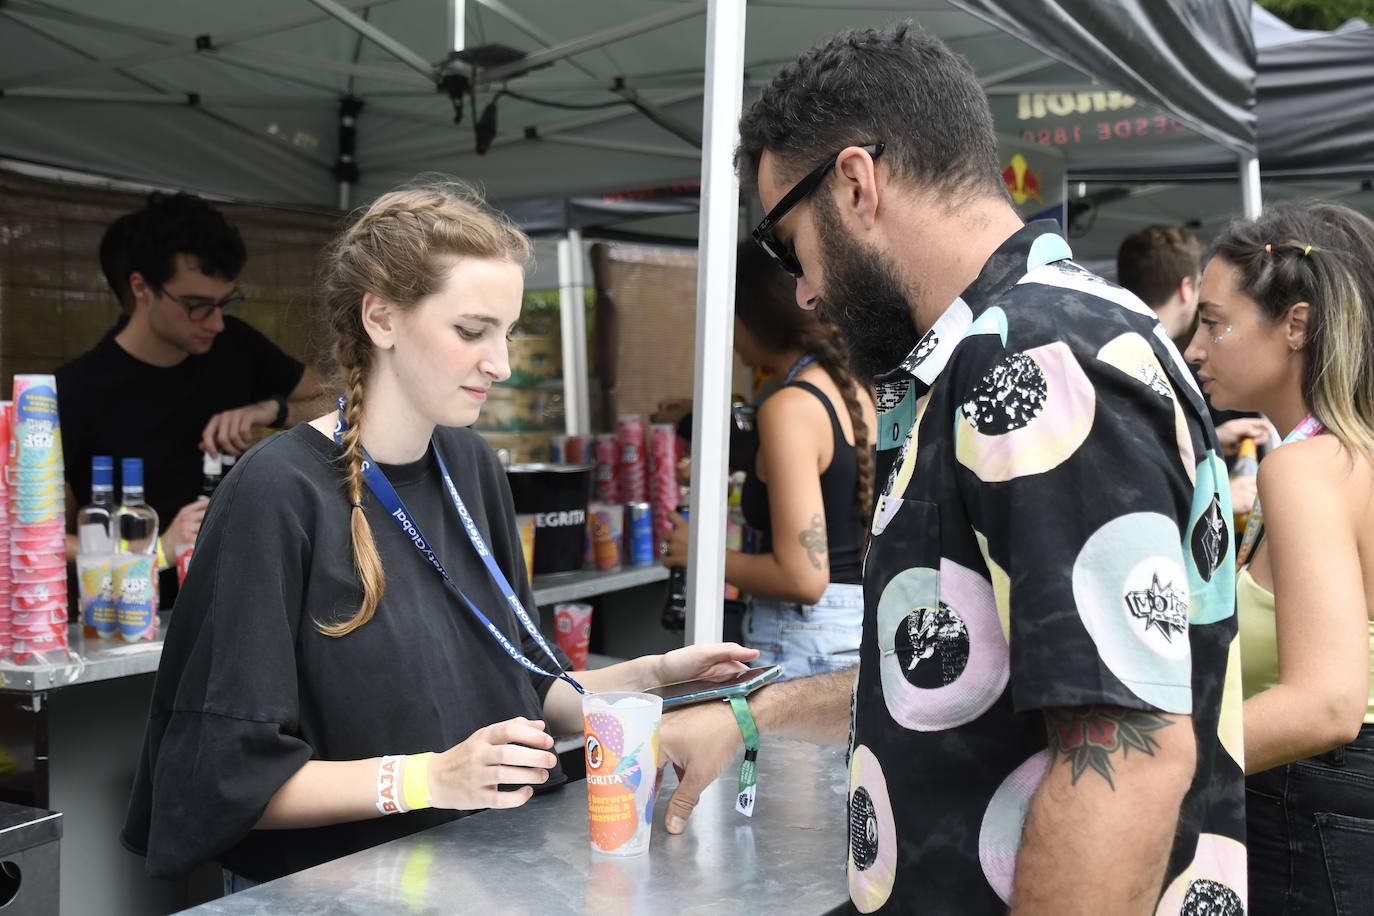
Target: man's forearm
{"x": 814, "y": 709}
{"x": 1102, "y": 822}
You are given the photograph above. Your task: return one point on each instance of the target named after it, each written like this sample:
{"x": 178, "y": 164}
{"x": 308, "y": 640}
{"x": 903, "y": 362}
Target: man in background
{"x": 177, "y": 376}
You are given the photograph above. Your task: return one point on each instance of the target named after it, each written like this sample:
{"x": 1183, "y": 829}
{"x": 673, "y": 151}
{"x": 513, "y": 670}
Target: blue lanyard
{"x": 391, "y": 501}
{"x": 802, "y": 362}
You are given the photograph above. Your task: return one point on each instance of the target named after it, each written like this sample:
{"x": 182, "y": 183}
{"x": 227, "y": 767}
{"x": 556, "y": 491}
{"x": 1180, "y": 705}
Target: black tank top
{"x": 844, "y": 525}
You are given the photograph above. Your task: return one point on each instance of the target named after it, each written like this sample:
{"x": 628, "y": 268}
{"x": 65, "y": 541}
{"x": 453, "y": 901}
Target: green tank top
{"x": 1259, "y": 650}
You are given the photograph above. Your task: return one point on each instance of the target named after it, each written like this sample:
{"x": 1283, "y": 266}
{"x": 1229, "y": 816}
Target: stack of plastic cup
{"x": 6, "y": 587}
{"x": 607, "y": 468}
{"x": 633, "y": 468}
{"x": 663, "y": 488}
{"x": 38, "y": 556}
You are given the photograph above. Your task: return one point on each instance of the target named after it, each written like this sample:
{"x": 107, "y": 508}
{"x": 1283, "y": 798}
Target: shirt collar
{"x": 1033, "y": 245}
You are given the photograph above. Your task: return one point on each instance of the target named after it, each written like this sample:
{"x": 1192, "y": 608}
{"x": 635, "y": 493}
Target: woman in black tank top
{"x": 809, "y": 490}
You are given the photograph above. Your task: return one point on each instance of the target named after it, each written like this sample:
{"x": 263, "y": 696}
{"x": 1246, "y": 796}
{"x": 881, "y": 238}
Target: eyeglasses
{"x": 781, "y": 252}
{"x": 198, "y": 308}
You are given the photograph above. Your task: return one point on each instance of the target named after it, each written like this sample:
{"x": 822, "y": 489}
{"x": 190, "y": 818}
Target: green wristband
{"x": 748, "y": 771}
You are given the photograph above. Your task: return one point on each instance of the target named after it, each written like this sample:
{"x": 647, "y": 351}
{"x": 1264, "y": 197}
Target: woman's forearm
{"x": 1283, "y": 725}
{"x": 324, "y": 792}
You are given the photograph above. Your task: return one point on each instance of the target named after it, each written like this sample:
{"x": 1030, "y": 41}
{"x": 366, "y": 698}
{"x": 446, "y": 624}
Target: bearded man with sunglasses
{"x": 178, "y": 375}
{"x": 1044, "y": 717}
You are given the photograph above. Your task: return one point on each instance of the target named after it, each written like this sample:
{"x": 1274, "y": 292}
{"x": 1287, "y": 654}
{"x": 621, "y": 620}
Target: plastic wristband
{"x": 161, "y": 557}
{"x": 389, "y": 799}
{"x": 748, "y": 770}
{"x": 415, "y": 782}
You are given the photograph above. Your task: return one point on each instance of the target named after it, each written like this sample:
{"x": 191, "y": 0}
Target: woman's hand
{"x": 712, "y": 661}
{"x": 672, "y": 544}
{"x": 466, "y": 775}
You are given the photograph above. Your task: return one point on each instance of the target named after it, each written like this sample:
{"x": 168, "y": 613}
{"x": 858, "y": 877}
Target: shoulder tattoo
{"x": 814, "y": 541}
{"x": 1090, "y": 737}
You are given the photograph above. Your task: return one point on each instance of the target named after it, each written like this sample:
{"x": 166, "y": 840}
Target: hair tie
{"x": 1306, "y": 251}
{"x": 357, "y": 505}
{"x": 1268, "y": 248}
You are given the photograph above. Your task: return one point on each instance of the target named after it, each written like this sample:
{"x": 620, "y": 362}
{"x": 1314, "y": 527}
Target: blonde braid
{"x": 365, "y": 557}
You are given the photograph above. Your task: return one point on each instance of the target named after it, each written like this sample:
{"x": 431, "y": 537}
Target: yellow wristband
{"x": 161, "y": 557}
{"x": 415, "y": 781}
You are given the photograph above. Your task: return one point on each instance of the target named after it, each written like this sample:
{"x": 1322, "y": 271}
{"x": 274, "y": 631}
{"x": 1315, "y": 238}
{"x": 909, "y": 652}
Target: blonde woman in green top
{"x": 1286, "y": 327}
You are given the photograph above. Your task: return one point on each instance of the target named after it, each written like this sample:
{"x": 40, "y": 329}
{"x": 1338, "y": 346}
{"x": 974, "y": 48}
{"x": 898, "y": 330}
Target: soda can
{"x": 639, "y": 533}
{"x": 606, "y": 524}
{"x": 575, "y": 450}
{"x": 558, "y": 449}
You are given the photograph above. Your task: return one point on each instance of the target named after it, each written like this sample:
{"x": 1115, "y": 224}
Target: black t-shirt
{"x": 248, "y": 689}
{"x": 844, "y": 526}
{"x": 112, "y": 403}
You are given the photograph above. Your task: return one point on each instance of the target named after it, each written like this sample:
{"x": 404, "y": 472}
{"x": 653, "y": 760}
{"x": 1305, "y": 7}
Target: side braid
{"x": 833, "y": 356}
{"x": 365, "y": 557}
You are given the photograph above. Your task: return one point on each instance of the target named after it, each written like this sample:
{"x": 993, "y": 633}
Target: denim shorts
{"x": 808, "y": 638}
{"x": 1310, "y": 834}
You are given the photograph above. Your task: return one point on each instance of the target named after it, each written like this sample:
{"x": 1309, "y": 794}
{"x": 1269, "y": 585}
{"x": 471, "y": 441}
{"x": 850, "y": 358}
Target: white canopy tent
{"x": 329, "y": 102}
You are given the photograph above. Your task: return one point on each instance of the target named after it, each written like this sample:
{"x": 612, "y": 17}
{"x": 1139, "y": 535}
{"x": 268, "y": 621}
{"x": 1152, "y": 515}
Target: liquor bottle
{"x": 137, "y": 519}
{"x": 134, "y": 568}
{"x": 95, "y": 528}
{"x": 211, "y": 473}
{"x": 1246, "y": 465}
{"x": 95, "y": 532}
{"x": 674, "y": 618}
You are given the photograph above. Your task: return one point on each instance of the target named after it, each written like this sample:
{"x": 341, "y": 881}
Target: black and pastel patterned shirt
{"x": 1054, "y": 532}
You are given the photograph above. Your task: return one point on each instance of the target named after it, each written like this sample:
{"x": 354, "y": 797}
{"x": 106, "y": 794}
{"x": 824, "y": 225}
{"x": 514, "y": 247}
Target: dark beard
{"x": 863, "y": 298}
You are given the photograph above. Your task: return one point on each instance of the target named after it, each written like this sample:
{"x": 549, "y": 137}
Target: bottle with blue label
{"x": 134, "y": 574}
{"x": 95, "y": 531}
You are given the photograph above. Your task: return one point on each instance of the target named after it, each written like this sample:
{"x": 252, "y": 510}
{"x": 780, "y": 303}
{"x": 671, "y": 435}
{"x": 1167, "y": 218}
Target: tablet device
{"x": 684, "y": 693}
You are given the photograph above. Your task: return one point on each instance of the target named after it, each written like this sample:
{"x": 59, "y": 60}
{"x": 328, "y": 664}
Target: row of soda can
{"x": 617, "y": 535}
{"x": 33, "y": 577}
{"x": 635, "y": 464}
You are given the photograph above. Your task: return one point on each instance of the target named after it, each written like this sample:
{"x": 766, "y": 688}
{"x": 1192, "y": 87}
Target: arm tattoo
{"x": 813, "y": 539}
{"x": 1089, "y": 736}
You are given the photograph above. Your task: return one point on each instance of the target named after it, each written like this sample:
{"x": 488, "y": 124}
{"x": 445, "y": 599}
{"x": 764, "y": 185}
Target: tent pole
{"x": 346, "y": 167}
{"x": 572, "y": 313}
{"x": 1250, "y": 185}
{"x": 715, "y": 328}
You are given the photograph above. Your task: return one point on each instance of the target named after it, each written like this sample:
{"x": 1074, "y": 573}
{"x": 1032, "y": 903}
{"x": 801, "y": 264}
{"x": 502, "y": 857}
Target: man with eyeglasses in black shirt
{"x": 178, "y": 375}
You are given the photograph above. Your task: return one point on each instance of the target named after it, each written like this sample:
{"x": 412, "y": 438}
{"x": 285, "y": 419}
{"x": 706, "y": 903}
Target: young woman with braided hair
{"x": 1287, "y": 328}
{"x": 350, "y": 577}
{"x": 811, "y": 488}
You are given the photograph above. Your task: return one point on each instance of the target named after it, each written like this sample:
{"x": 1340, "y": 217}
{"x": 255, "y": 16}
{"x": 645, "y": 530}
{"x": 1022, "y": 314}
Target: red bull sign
{"x": 1034, "y": 178}
{"x": 1023, "y": 183}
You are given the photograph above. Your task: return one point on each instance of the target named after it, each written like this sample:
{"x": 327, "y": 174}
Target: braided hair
{"x": 400, "y": 249}
{"x": 766, "y": 304}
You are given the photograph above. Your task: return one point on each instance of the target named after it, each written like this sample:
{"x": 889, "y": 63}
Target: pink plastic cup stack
{"x": 607, "y": 454}
{"x": 6, "y": 586}
{"x": 37, "y": 574}
{"x": 663, "y": 488}
{"x": 633, "y": 469}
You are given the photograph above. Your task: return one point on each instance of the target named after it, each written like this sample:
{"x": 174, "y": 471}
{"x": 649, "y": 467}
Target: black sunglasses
{"x": 198, "y": 308}
{"x": 781, "y": 252}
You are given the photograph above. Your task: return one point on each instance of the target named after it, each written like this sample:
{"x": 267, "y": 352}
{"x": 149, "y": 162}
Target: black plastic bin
{"x": 29, "y": 841}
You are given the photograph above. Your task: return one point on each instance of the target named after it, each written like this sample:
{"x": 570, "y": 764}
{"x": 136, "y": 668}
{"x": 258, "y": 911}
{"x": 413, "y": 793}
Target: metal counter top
{"x": 105, "y": 659}
{"x": 536, "y": 859}
{"x": 91, "y": 660}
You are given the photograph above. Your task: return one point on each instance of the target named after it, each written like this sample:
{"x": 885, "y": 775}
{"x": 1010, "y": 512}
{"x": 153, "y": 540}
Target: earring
{"x": 1293, "y": 347}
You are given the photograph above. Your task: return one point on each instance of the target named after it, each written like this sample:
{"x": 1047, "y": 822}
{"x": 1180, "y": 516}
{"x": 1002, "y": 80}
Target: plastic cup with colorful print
{"x": 620, "y": 739}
